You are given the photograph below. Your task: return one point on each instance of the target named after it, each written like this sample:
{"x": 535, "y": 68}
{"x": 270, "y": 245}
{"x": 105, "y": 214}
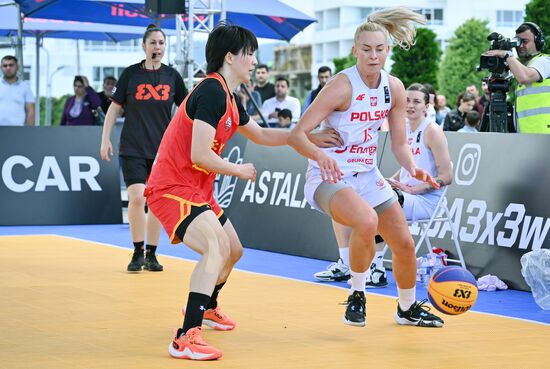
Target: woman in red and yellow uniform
{"x": 180, "y": 188}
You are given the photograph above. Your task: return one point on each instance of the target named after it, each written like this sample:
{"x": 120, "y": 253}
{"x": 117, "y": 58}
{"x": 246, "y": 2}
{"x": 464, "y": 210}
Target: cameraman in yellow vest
{"x": 532, "y": 71}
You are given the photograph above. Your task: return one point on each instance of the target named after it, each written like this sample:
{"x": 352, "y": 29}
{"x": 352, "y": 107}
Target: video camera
{"x": 493, "y": 63}
{"x": 497, "y": 115}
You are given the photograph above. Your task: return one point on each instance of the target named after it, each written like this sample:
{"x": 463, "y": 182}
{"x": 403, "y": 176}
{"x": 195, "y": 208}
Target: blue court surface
{"x": 509, "y": 303}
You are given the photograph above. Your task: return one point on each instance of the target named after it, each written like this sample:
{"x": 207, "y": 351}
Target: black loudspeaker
{"x": 165, "y": 6}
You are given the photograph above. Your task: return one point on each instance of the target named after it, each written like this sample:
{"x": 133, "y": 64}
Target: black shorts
{"x": 135, "y": 170}
{"x": 195, "y": 212}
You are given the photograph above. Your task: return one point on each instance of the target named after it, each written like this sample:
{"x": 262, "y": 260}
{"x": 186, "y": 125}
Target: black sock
{"x": 194, "y": 312}
{"x": 138, "y": 246}
{"x": 150, "y": 248}
{"x": 214, "y": 299}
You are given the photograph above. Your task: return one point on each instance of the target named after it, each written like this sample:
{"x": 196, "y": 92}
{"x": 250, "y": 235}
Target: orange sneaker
{"x": 215, "y": 318}
{"x": 192, "y": 346}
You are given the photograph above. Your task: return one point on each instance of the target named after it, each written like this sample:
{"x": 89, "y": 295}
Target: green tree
{"x": 343, "y": 63}
{"x": 421, "y": 62}
{"x": 538, "y": 11}
{"x": 459, "y": 66}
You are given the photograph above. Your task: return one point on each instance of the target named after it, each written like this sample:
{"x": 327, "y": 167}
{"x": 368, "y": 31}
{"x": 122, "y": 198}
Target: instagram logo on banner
{"x": 468, "y": 164}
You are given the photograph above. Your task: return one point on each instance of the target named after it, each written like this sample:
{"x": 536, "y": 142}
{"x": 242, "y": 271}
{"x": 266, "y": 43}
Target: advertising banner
{"x": 498, "y": 201}
{"x": 53, "y": 175}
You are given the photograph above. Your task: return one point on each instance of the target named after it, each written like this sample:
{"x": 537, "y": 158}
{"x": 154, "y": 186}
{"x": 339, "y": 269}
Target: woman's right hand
{"x": 247, "y": 171}
{"x": 329, "y": 168}
{"x": 106, "y": 150}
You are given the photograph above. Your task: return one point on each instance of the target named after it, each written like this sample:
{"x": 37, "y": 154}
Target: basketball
{"x": 452, "y": 290}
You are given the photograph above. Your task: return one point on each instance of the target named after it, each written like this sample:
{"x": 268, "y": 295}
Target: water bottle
{"x": 424, "y": 271}
{"x": 438, "y": 264}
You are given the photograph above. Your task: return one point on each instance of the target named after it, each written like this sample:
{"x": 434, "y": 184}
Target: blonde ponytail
{"x": 396, "y": 23}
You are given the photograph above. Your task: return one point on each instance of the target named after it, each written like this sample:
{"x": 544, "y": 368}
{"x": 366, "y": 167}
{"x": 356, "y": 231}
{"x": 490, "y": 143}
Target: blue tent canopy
{"x": 42, "y": 28}
{"x": 266, "y": 18}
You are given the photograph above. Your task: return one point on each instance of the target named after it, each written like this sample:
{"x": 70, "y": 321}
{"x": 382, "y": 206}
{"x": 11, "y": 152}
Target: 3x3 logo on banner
{"x": 147, "y": 91}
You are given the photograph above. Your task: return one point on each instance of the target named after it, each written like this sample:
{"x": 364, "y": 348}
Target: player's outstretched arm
{"x": 264, "y": 136}
{"x": 206, "y": 159}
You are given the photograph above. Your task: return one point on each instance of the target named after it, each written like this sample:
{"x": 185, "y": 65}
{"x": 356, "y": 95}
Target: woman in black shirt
{"x": 146, "y": 91}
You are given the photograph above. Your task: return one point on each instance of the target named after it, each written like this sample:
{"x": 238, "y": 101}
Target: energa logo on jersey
{"x": 224, "y": 186}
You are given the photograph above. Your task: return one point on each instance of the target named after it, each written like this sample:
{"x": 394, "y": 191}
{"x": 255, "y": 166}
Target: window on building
{"x": 351, "y": 16}
{"x": 332, "y": 18}
{"x": 109, "y": 46}
{"x": 434, "y": 16}
{"x": 320, "y": 24}
{"x": 99, "y": 73}
{"x": 27, "y": 72}
{"x": 318, "y": 53}
{"x": 332, "y": 50}
{"x": 366, "y": 11}
{"x": 509, "y": 18}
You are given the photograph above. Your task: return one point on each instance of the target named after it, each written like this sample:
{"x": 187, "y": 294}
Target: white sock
{"x": 358, "y": 280}
{"x": 379, "y": 257}
{"x": 407, "y": 297}
{"x": 344, "y": 254}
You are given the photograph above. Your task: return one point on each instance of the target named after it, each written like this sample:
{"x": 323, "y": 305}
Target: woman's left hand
{"x": 424, "y": 176}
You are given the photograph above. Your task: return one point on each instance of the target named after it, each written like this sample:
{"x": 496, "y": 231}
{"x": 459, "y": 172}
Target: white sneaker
{"x": 376, "y": 278}
{"x": 335, "y": 272}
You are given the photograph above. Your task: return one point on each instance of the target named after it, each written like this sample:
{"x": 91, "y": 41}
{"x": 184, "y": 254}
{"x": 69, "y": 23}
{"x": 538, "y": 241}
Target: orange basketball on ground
{"x": 452, "y": 290}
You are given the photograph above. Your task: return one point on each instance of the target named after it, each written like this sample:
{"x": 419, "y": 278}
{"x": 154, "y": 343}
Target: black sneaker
{"x": 136, "y": 262}
{"x": 356, "y": 309}
{"x": 377, "y": 279}
{"x": 418, "y": 315}
{"x": 151, "y": 263}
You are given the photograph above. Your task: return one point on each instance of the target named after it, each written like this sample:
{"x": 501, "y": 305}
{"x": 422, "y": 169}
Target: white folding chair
{"x": 440, "y": 214}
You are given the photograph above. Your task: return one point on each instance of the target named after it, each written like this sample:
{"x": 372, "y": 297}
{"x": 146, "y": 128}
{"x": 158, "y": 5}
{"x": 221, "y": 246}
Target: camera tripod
{"x": 495, "y": 116}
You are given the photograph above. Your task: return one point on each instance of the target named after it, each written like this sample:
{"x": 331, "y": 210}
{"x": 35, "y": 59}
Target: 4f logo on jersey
{"x": 146, "y": 91}
{"x": 360, "y": 97}
{"x": 228, "y": 124}
{"x": 373, "y": 100}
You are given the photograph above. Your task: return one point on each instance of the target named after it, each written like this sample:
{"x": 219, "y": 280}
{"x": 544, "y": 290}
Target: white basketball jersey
{"x": 423, "y": 156}
{"x": 358, "y": 126}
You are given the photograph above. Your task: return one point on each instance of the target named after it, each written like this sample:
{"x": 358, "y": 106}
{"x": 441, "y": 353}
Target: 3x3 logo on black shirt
{"x": 146, "y": 91}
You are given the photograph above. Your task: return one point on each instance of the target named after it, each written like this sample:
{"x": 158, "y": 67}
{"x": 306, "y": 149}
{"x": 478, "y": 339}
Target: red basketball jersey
{"x": 173, "y": 166}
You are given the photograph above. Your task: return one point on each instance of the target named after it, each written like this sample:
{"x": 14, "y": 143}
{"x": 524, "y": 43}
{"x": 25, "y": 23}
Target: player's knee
{"x": 366, "y": 226}
{"x": 138, "y": 201}
{"x": 236, "y": 252}
{"x": 224, "y": 247}
{"x": 405, "y": 248}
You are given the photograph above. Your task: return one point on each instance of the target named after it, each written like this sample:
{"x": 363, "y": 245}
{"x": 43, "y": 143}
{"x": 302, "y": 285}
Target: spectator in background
{"x": 109, "y": 83}
{"x": 16, "y": 98}
{"x": 271, "y": 107}
{"x": 78, "y": 110}
{"x": 455, "y": 119}
{"x": 430, "y": 114}
{"x": 478, "y": 106}
{"x": 247, "y": 101}
{"x": 285, "y": 118}
{"x": 441, "y": 109}
{"x": 472, "y": 122}
{"x": 263, "y": 86}
{"x": 323, "y": 75}
{"x": 486, "y": 98}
